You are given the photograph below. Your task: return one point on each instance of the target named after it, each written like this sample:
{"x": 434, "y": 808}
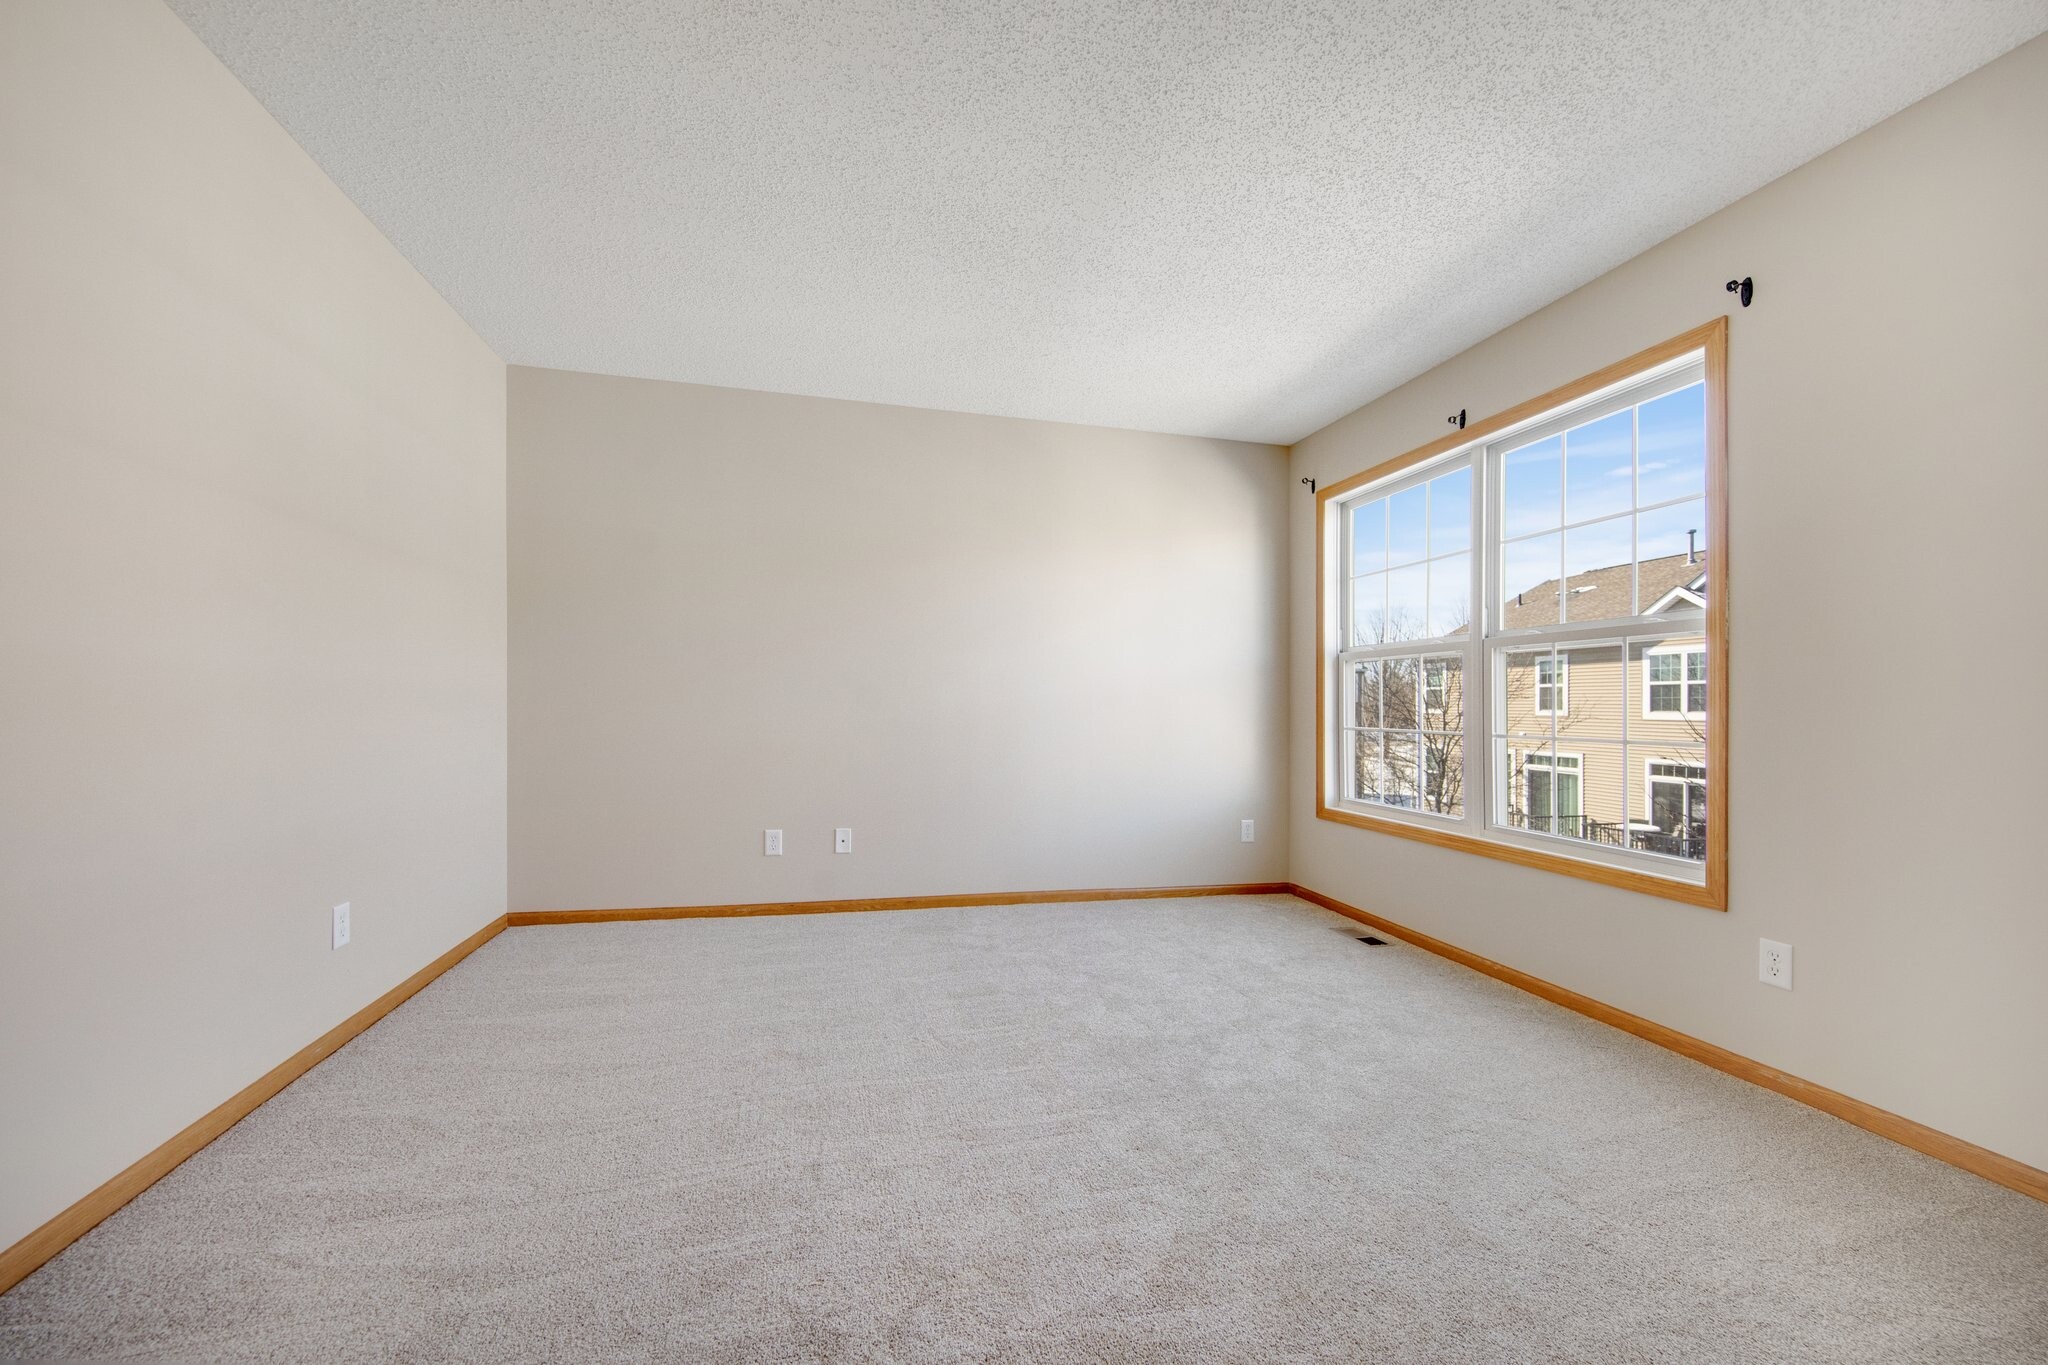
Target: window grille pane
{"x": 1529, "y": 582}
{"x": 1401, "y": 684}
{"x": 1671, "y": 451}
{"x": 1369, "y": 537}
{"x": 1365, "y": 694}
{"x": 1407, "y": 604}
{"x": 1450, "y": 596}
{"x": 1443, "y": 693}
{"x": 1592, "y": 696}
{"x": 1673, "y": 802}
{"x": 1403, "y": 764}
{"x": 1532, "y": 488}
{"x": 1364, "y": 778}
{"x": 1527, "y": 692}
{"x": 1598, "y": 571}
{"x": 1599, "y": 468}
{"x": 1450, "y": 512}
{"x": 1443, "y": 771}
{"x": 1671, "y": 547}
{"x": 1408, "y": 526}
{"x": 1369, "y": 609}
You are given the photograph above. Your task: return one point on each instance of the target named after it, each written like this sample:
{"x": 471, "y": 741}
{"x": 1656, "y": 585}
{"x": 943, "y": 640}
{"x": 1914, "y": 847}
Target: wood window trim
{"x": 1712, "y": 340}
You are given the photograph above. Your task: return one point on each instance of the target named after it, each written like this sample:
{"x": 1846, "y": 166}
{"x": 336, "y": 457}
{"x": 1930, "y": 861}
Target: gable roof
{"x": 1602, "y": 594}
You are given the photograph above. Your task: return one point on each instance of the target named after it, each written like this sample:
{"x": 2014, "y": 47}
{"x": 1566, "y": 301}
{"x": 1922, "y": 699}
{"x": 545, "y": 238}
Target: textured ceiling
{"x": 1240, "y": 218}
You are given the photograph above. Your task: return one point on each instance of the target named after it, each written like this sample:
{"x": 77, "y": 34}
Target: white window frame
{"x": 1684, "y": 683}
{"x": 1420, "y": 650}
{"x": 1483, "y": 819}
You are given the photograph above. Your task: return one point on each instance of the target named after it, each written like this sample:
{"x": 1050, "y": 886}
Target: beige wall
{"x": 1010, "y": 655}
{"x": 252, "y": 606}
{"x": 1888, "y": 474}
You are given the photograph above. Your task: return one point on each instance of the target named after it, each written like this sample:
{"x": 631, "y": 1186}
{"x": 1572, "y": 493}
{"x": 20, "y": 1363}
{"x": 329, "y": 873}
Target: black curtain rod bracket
{"x": 1745, "y": 288}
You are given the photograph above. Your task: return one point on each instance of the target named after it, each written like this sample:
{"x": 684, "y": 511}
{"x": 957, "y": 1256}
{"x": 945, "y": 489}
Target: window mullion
{"x": 1479, "y": 689}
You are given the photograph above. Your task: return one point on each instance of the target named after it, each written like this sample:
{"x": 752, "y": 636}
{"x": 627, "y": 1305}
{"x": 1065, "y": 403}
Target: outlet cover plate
{"x": 1774, "y": 963}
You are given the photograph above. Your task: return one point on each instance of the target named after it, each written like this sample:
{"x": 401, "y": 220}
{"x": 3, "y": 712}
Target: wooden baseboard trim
{"x": 21, "y": 1259}
{"x": 521, "y": 918}
{"x": 1966, "y": 1156}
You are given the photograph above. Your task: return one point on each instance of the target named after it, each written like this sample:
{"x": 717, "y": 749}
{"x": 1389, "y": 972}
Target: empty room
{"x": 1144, "y": 680}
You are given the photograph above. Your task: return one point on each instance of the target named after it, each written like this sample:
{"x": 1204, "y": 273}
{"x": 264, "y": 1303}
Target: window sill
{"x": 1707, "y": 895}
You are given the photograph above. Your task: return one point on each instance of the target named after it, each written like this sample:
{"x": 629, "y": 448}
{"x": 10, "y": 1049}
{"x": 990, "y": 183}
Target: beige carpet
{"x": 1161, "y": 1130}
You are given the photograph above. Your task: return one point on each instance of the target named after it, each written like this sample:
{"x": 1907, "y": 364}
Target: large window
{"x": 1522, "y": 634}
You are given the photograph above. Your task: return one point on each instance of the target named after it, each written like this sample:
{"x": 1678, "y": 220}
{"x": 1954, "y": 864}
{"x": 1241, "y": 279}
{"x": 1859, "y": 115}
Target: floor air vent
{"x": 1375, "y": 942}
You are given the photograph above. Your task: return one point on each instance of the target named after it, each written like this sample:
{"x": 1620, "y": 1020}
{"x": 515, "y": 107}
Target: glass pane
{"x": 1408, "y": 526}
{"x": 1364, "y": 777}
{"x": 1450, "y": 595}
{"x": 1589, "y": 693}
{"x": 1528, "y": 582}
{"x": 1671, "y": 454}
{"x": 1369, "y": 609}
{"x": 1450, "y": 512}
{"x": 1443, "y": 773}
{"x": 1664, "y": 690}
{"x": 1532, "y": 488}
{"x": 1403, "y": 766}
{"x": 1369, "y": 537}
{"x": 1443, "y": 693}
{"x": 1407, "y": 603}
{"x": 1592, "y": 793}
{"x": 1530, "y": 790}
{"x": 1401, "y": 680}
{"x": 1671, "y": 804}
{"x": 1671, "y": 543}
{"x": 1597, "y": 564}
{"x": 1599, "y": 467}
{"x": 1528, "y": 690}
{"x": 1365, "y": 694}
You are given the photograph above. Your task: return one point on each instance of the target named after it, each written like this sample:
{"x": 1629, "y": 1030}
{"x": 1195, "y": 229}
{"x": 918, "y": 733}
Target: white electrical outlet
{"x": 1244, "y": 832}
{"x": 771, "y": 843}
{"x": 842, "y": 841}
{"x": 341, "y": 925}
{"x": 1774, "y": 963}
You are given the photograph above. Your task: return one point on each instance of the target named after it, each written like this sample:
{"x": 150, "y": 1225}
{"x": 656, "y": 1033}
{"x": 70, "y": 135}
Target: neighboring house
{"x": 1627, "y": 764}
{"x": 1596, "y": 747}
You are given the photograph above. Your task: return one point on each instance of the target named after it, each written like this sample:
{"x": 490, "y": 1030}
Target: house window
{"x": 1550, "y": 787}
{"x": 1675, "y": 680}
{"x": 1677, "y": 807}
{"x": 1407, "y": 597}
{"x": 1490, "y": 606}
{"x": 1552, "y": 698}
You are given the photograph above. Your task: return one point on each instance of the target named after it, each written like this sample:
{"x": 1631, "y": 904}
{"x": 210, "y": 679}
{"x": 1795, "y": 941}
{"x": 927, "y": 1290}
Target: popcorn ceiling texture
{"x": 1227, "y": 219}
